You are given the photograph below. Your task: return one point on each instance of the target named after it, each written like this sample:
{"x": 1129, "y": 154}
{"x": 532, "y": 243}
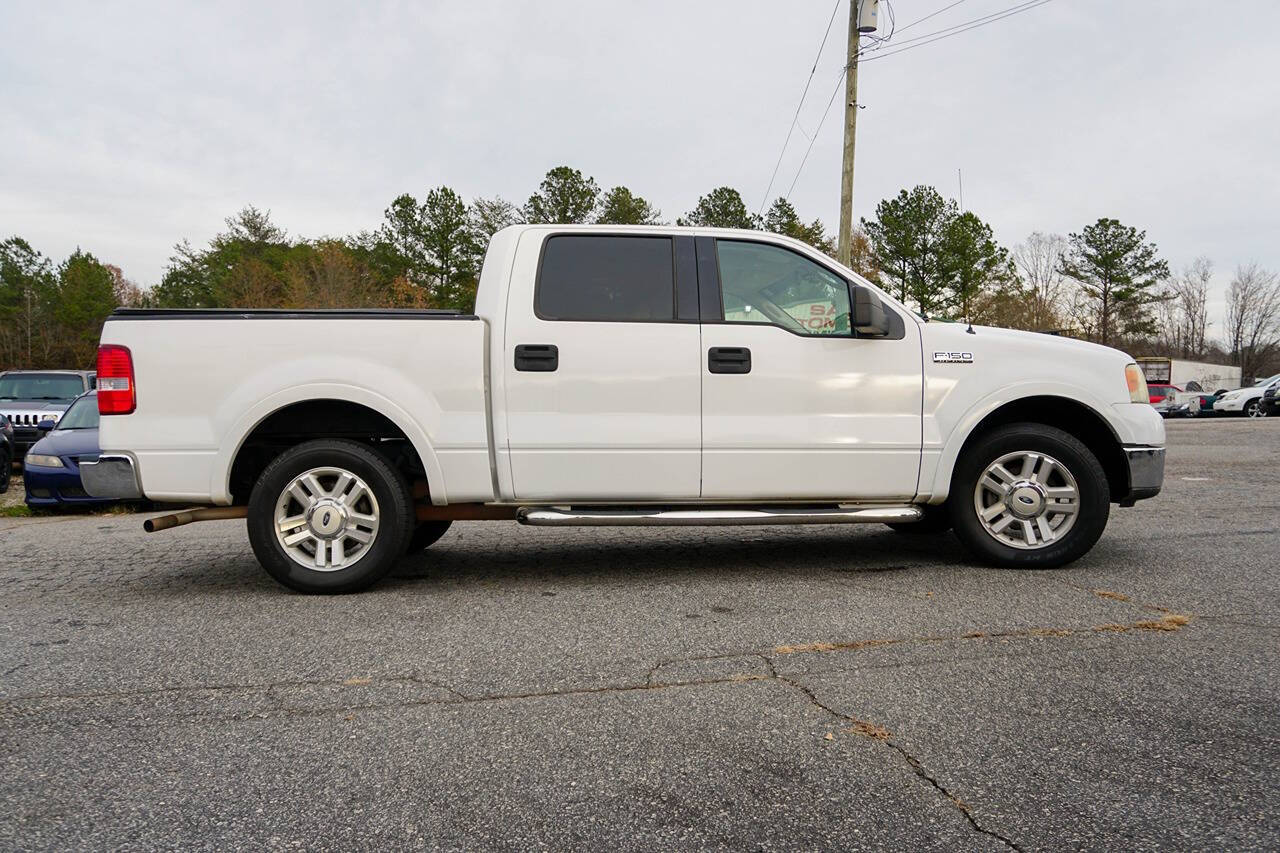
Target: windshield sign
{"x": 40, "y": 386}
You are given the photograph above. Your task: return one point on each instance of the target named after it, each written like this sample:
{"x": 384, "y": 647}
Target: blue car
{"x": 51, "y": 470}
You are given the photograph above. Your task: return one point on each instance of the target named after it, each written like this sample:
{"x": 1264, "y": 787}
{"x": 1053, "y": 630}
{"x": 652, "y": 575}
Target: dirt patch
{"x": 1169, "y": 622}
{"x": 871, "y": 730}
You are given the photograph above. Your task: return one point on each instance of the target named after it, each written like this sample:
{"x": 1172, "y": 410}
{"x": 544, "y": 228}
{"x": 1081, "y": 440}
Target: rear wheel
{"x": 426, "y": 534}
{"x": 329, "y": 516}
{"x": 1029, "y": 496}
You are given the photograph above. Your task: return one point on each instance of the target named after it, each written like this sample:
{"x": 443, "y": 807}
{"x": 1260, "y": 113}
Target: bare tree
{"x": 1253, "y": 318}
{"x": 1184, "y": 315}
{"x": 1039, "y": 260}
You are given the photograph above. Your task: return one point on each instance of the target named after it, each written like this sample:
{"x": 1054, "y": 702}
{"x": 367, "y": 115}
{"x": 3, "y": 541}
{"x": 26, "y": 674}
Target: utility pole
{"x": 862, "y": 19}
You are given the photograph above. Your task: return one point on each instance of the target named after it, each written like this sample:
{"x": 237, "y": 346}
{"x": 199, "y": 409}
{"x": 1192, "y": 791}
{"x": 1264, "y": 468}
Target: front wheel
{"x": 1253, "y": 410}
{"x": 1029, "y": 496}
{"x": 934, "y": 521}
{"x": 329, "y": 516}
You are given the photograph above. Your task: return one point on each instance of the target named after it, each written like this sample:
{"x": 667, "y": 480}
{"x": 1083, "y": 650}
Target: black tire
{"x": 395, "y": 516}
{"x": 1094, "y": 503}
{"x": 426, "y": 534}
{"x": 1249, "y": 409}
{"x": 936, "y": 520}
{"x": 6, "y": 471}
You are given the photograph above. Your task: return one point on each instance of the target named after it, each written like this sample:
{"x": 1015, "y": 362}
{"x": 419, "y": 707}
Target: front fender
{"x": 948, "y": 426}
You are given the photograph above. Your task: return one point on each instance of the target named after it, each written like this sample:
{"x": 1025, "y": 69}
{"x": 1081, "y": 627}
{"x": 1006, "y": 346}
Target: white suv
{"x": 1247, "y": 401}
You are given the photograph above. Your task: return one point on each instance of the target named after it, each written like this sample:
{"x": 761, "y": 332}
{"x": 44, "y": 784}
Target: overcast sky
{"x": 125, "y": 128}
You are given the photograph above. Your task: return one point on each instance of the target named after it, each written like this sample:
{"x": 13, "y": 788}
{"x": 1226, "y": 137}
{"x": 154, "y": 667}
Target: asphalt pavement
{"x": 728, "y": 688}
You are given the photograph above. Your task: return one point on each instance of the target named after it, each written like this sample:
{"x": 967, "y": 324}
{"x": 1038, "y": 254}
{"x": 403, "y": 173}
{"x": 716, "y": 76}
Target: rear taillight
{"x": 116, "y": 393}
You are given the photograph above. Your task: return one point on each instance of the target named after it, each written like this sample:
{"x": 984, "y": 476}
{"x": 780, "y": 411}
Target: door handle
{"x": 729, "y": 360}
{"x": 537, "y": 358}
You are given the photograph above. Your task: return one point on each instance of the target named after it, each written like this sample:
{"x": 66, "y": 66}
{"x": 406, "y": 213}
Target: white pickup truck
{"x": 620, "y": 376}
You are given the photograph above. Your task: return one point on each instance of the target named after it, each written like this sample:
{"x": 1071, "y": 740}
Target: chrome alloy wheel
{"x": 1027, "y": 500}
{"x": 326, "y": 519}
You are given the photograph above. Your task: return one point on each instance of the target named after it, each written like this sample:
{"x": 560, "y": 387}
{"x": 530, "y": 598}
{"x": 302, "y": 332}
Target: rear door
{"x": 796, "y": 405}
{"x": 601, "y": 369}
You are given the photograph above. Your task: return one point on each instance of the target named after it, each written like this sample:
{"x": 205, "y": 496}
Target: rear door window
{"x": 606, "y": 278}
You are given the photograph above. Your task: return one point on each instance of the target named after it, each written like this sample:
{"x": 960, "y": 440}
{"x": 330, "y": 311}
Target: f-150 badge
{"x": 953, "y": 358}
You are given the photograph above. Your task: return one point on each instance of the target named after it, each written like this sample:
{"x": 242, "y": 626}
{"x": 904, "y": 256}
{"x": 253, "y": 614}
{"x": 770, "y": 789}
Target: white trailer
{"x": 1175, "y": 371}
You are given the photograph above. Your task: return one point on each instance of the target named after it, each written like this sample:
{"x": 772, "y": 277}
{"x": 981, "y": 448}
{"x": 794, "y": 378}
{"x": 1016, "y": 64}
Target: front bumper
{"x": 23, "y": 438}
{"x": 1146, "y": 473}
{"x": 111, "y": 477}
{"x": 1235, "y": 405}
{"x": 55, "y": 487}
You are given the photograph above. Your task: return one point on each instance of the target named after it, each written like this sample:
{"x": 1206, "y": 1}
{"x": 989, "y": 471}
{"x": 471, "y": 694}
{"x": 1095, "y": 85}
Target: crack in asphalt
{"x": 1168, "y": 622}
{"x": 875, "y": 732}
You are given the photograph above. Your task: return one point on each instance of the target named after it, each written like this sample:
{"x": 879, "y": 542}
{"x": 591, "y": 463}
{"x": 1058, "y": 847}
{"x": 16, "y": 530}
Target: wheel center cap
{"x": 327, "y": 519}
{"x": 1026, "y": 499}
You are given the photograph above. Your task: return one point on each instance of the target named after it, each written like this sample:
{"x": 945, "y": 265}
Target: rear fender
{"x": 220, "y": 482}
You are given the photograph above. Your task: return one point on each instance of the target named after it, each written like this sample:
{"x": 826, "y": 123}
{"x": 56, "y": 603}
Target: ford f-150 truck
{"x": 620, "y": 376}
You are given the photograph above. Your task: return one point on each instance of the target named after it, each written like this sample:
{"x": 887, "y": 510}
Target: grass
{"x": 15, "y": 511}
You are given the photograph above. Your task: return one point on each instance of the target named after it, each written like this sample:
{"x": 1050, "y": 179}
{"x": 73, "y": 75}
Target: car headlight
{"x": 1138, "y": 392}
{"x": 44, "y": 460}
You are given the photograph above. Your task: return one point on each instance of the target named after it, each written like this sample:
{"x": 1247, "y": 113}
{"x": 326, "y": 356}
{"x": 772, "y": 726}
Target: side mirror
{"x": 46, "y": 425}
{"x": 869, "y": 317}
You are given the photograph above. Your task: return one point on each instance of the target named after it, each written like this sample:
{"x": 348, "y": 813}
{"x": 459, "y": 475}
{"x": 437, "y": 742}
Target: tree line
{"x": 1106, "y": 282}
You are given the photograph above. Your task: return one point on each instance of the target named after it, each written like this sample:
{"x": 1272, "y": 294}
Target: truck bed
{"x": 207, "y": 377}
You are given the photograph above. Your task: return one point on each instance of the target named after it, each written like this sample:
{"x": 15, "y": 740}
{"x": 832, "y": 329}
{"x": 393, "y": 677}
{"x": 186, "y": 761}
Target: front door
{"x": 795, "y": 406}
{"x": 602, "y": 371}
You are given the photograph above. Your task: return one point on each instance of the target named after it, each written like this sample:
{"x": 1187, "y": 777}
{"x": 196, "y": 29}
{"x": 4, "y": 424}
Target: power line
{"x": 931, "y": 15}
{"x": 796, "y": 117}
{"x": 1019, "y": 7}
{"x": 959, "y": 28}
{"x": 812, "y": 139}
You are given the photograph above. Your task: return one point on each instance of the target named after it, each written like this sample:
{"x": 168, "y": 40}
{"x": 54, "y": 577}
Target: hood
{"x": 1008, "y": 357}
{"x": 67, "y": 442}
{"x": 1017, "y": 337}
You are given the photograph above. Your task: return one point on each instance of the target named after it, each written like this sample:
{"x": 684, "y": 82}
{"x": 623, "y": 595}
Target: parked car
{"x": 28, "y": 397}
{"x": 1193, "y": 404}
{"x": 1163, "y": 397}
{"x": 7, "y": 451}
{"x": 1246, "y": 401}
{"x": 620, "y": 376}
{"x": 51, "y": 472}
{"x": 1270, "y": 402}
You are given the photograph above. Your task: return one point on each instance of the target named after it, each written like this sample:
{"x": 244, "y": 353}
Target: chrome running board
{"x": 691, "y": 517}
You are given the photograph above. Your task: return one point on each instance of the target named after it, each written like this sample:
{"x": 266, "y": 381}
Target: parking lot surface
{"x": 791, "y": 687}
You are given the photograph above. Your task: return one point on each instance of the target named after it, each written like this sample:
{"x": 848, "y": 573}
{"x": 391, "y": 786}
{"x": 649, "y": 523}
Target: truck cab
{"x": 623, "y": 376}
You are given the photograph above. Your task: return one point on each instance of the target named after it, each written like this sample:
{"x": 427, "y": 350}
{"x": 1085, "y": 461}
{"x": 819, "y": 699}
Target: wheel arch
{"x": 1073, "y": 416}
{"x": 317, "y": 411}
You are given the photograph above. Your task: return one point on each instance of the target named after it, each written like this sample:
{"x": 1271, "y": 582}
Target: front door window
{"x": 768, "y": 284}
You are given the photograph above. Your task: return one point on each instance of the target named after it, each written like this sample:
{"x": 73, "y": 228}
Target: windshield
{"x": 83, "y": 414}
{"x": 40, "y": 386}
{"x": 1264, "y": 382}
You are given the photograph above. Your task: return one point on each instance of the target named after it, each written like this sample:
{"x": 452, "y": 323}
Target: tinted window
{"x": 589, "y": 277}
{"x": 768, "y": 284}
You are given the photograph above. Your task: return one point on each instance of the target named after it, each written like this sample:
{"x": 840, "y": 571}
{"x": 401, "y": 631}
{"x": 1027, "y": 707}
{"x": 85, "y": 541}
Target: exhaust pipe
{"x": 187, "y": 516}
